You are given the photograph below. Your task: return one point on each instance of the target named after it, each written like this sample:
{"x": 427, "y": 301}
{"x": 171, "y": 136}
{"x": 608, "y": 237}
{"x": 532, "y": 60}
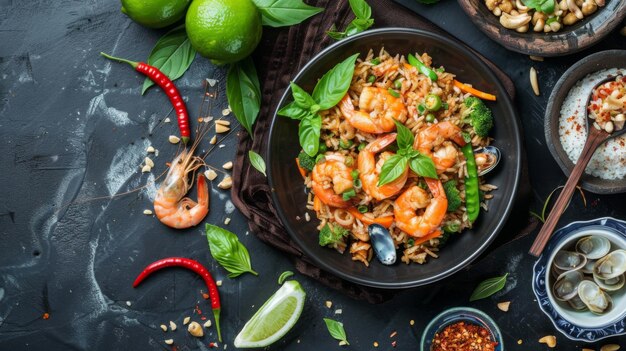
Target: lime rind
{"x": 274, "y": 319}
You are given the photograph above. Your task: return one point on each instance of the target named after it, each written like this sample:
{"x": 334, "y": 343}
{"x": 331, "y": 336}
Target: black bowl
{"x": 568, "y": 40}
{"x": 289, "y": 192}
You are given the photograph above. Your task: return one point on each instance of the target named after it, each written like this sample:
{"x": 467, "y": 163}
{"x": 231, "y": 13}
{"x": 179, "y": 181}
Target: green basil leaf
{"x": 333, "y": 85}
{"x": 257, "y": 162}
{"x": 336, "y": 330}
{"x": 489, "y": 287}
{"x": 301, "y": 97}
{"x": 280, "y": 13}
{"x": 392, "y": 169}
{"x": 228, "y": 251}
{"x": 172, "y": 54}
{"x": 334, "y": 34}
{"x": 244, "y": 92}
{"x": 309, "y": 134}
{"x": 423, "y": 166}
{"x": 293, "y": 111}
{"x": 361, "y": 9}
{"x": 405, "y": 136}
{"x": 284, "y": 276}
{"x": 547, "y": 6}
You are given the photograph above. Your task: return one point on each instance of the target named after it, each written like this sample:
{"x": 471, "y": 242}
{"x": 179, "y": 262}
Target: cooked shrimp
{"x": 416, "y": 198}
{"x": 170, "y": 205}
{"x": 434, "y": 136}
{"x": 369, "y": 170}
{"x": 377, "y": 111}
{"x": 330, "y": 179}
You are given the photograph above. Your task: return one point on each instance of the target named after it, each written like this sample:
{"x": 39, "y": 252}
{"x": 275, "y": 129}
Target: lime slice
{"x": 274, "y": 319}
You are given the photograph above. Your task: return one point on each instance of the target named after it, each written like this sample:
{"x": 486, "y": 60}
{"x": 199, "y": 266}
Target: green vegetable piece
{"x": 362, "y": 146}
{"x": 423, "y": 166}
{"x": 345, "y": 144}
{"x": 478, "y": 115}
{"x": 432, "y": 102}
{"x": 281, "y": 13}
{"x": 332, "y": 234}
{"x": 284, "y": 276}
{"x": 228, "y": 251}
{"x": 257, "y": 162}
{"x": 397, "y": 83}
{"x": 410, "y": 242}
{"x": 453, "y": 226}
{"x": 320, "y": 158}
{"x": 243, "y": 91}
{"x": 355, "y": 174}
{"x": 336, "y": 330}
{"x": 375, "y": 61}
{"x": 357, "y": 183}
{"x": 466, "y": 136}
{"x": 430, "y": 118}
{"x": 348, "y": 194}
{"x": 445, "y": 105}
{"x": 421, "y": 108}
{"x": 489, "y": 287}
{"x": 307, "y": 162}
{"x": 371, "y": 79}
{"x": 453, "y": 194}
{"x": 362, "y": 208}
{"x": 172, "y": 54}
{"x": 322, "y": 148}
{"x": 472, "y": 196}
{"x": 393, "y": 93}
{"x": 349, "y": 161}
{"x": 413, "y": 61}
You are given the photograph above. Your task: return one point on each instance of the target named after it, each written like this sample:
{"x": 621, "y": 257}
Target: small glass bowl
{"x": 460, "y": 314}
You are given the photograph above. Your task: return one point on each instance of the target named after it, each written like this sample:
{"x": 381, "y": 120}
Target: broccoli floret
{"x": 332, "y": 234}
{"x": 453, "y": 194}
{"x": 476, "y": 113}
{"x": 307, "y": 162}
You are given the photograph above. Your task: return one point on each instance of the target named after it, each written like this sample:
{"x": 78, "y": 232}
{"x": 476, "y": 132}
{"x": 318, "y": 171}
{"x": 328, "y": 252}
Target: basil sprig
{"x": 328, "y": 91}
{"x": 395, "y": 165}
{"x": 172, "y": 54}
{"x": 363, "y": 13}
{"x": 257, "y": 162}
{"x": 243, "y": 91}
{"x": 228, "y": 251}
{"x": 489, "y": 287}
{"x": 336, "y": 330}
{"x": 545, "y": 6}
{"x": 280, "y": 13}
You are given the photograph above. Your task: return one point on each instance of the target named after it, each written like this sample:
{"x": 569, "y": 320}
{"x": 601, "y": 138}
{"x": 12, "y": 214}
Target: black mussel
{"x": 382, "y": 243}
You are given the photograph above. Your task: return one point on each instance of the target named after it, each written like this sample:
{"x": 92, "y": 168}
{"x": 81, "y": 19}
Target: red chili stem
{"x": 194, "y": 266}
{"x": 160, "y": 79}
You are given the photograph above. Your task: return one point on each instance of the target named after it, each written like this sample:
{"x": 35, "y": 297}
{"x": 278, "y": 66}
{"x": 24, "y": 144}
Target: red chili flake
{"x": 394, "y": 343}
{"x": 197, "y": 310}
{"x": 203, "y": 318}
{"x": 465, "y": 337}
{"x": 46, "y": 315}
{"x": 213, "y": 345}
{"x": 205, "y": 296}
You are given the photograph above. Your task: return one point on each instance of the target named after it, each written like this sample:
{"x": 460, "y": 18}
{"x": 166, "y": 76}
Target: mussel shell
{"x": 566, "y": 286}
{"x": 611, "y": 266}
{"x": 610, "y": 285}
{"x": 493, "y": 153}
{"x": 382, "y": 243}
{"x": 593, "y": 246}
{"x": 594, "y": 298}
{"x": 569, "y": 260}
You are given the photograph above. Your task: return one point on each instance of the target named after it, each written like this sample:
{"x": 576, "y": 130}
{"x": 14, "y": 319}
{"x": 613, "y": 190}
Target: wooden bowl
{"x": 568, "y": 40}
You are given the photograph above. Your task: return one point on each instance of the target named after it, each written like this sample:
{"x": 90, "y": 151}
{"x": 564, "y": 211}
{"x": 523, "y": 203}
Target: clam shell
{"x": 610, "y": 285}
{"x": 588, "y": 267}
{"x": 566, "y": 286}
{"x": 594, "y": 298}
{"x": 593, "y": 246}
{"x": 611, "y": 266}
{"x": 382, "y": 243}
{"x": 493, "y": 155}
{"x": 569, "y": 260}
{"x": 577, "y": 303}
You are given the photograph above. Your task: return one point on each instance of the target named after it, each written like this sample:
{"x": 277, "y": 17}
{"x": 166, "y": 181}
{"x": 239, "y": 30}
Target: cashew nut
{"x": 555, "y": 26}
{"x": 523, "y": 29}
{"x": 195, "y": 329}
{"x": 497, "y": 11}
{"x": 539, "y": 24}
{"x": 547, "y": 29}
{"x": 570, "y": 19}
{"x": 537, "y": 16}
{"x": 571, "y": 5}
{"x": 520, "y": 6}
{"x": 492, "y": 4}
{"x": 589, "y": 7}
{"x": 506, "y": 6}
{"x": 514, "y": 22}
{"x": 563, "y": 5}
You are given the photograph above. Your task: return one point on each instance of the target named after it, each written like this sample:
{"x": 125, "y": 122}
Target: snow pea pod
{"x": 472, "y": 197}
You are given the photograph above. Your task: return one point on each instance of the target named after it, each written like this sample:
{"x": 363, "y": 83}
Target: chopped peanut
{"x": 549, "y": 340}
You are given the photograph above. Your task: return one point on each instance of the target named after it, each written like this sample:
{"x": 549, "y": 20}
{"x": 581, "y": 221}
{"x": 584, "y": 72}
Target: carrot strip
{"x": 317, "y": 204}
{"x": 424, "y": 239}
{"x": 302, "y": 170}
{"x": 384, "y": 221}
{"x": 468, "y": 89}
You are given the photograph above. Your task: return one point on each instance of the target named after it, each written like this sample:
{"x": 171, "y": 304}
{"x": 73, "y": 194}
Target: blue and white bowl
{"x": 577, "y": 325}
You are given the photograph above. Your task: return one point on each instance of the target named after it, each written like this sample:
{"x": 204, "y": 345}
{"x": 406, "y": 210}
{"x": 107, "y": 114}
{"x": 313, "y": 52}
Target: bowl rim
{"x": 456, "y": 311}
{"x": 539, "y": 284}
{"x": 545, "y": 48}
{"x": 507, "y": 203}
{"x": 554, "y": 112}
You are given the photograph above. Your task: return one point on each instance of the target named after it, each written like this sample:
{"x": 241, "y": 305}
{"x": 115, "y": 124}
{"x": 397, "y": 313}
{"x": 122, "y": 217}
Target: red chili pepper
{"x": 168, "y": 87}
{"x": 192, "y": 265}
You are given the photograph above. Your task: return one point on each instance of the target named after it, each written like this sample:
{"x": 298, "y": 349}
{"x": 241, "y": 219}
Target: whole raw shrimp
{"x": 330, "y": 179}
{"x": 415, "y": 198}
{"x": 369, "y": 170}
{"x": 377, "y": 111}
{"x": 435, "y": 135}
{"x": 170, "y": 205}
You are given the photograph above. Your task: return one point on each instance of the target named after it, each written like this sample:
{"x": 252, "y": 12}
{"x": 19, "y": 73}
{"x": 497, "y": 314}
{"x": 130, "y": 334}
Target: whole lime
{"x": 155, "y": 13}
{"x": 224, "y": 31}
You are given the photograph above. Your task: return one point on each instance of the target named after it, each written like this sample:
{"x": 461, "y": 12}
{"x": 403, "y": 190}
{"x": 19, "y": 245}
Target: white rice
{"x": 609, "y": 161}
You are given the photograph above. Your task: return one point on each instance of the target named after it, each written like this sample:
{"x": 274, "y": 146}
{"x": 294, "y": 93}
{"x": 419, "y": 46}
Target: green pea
{"x": 430, "y": 118}
{"x": 371, "y": 79}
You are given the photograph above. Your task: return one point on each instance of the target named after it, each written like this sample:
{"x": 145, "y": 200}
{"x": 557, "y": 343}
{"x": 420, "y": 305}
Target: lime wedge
{"x": 274, "y": 319}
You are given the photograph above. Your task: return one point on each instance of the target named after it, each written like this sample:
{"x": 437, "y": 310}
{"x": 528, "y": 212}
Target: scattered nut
{"x": 220, "y": 128}
{"x": 225, "y": 112}
{"x": 329, "y": 304}
{"x": 207, "y": 324}
{"x": 222, "y": 146}
{"x": 172, "y": 326}
{"x": 375, "y": 344}
{"x": 228, "y": 165}
{"x": 411, "y": 322}
{"x": 150, "y": 150}
{"x": 169, "y": 341}
{"x": 536, "y": 58}
{"x": 210, "y": 174}
{"x": 519, "y": 342}
{"x": 338, "y": 311}
{"x": 146, "y": 169}
{"x": 226, "y": 183}
{"x": 549, "y": 340}
{"x": 195, "y": 329}
{"x": 167, "y": 120}
{"x": 147, "y": 212}
{"x": 222, "y": 122}
{"x": 174, "y": 139}
{"x": 213, "y": 140}
{"x": 307, "y": 216}
{"x": 227, "y": 221}
{"x": 164, "y": 327}
{"x": 504, "y": 306}
{"x": 218, "y": 283}
{"x": 207, "y": 119}
{"x": 610, "y": 347}
{"x": 186, "y": 320}
{"x": 148, "y": 161}
{"x": 533, "y": 80}
{"x": 343, "y": 342}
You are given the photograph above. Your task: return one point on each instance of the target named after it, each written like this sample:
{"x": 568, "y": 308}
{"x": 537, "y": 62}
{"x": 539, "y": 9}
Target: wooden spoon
{"x": 595, "y": 138}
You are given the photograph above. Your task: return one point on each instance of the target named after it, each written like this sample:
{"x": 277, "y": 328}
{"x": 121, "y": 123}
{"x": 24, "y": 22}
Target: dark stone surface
{"x": 74, "y": 128}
